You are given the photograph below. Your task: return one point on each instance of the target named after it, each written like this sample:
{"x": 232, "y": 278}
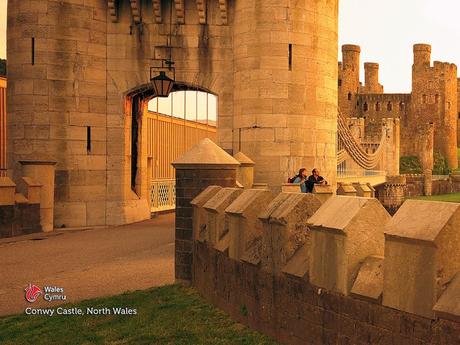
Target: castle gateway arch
{"x": 76, "y": 66}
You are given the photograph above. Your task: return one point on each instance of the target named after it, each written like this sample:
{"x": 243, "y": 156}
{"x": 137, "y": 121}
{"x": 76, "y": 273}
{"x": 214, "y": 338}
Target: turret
{"x": 350, "y": 56}
{"x": 422, "y": 54}
{"x": 371, "y": 70}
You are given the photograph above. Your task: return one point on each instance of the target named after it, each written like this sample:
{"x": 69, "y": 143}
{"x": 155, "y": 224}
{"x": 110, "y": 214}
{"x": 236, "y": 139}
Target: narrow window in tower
{"x": 290, "y": 56}
{"x": 88, "y": 139}
{"x": 33, "y": 50}
{"x": 424, "y": 99}
{"x": 340, "y": 82}
{"x": 365, "y": 106}
{"x": 377, "y": 106}
{"x": 389, "y": 106}
{"x": 459, "y": 116}
{"x": 401, "y": 106}
{"x": 349, "y": 96}
{"x": 448, "y": 105}
{"x": 436, "y": 99}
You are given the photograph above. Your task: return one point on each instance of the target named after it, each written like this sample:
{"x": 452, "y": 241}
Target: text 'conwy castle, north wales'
{"x": 307, "y": 204}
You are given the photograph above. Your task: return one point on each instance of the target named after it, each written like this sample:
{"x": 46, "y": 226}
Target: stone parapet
{"x": 393, "y": 270}
{"x": 345, "y": 230}
{"x": 217, "y": 222}
{"x": 199, "y": 213}
{"x": 285, "y": 233}
{"x": 422, "y": 255}
{"x": 346, "y": 189}
{"x": 245, "y": 229}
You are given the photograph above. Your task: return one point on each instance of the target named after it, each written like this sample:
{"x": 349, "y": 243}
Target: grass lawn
{"x": 165, "y": 315}
{"x": 454, "y": 197}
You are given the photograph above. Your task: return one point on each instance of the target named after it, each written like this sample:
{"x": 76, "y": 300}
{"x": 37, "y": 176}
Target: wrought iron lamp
{"x": 162, "y": 84}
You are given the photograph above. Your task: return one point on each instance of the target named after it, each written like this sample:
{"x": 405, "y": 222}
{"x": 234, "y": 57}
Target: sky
{"x": 386, "y": 31}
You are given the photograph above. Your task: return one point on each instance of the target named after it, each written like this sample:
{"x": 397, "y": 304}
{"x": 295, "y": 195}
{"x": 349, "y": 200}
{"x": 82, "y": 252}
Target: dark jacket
{"x": 311, "y": 181}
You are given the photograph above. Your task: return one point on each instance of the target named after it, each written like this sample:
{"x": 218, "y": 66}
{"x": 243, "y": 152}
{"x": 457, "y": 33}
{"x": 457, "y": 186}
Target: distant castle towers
{"x": 433, "y": 102}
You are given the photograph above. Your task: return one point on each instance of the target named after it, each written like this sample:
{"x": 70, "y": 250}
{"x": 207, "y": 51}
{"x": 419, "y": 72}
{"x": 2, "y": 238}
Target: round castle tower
{"x": 285, "y": 110}
{"x": 434, "y": 100}
{"x": 349, "y": 79}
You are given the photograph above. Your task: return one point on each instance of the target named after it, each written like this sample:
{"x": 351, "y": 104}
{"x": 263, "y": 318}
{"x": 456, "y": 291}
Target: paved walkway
{"x": 87, "y": 263}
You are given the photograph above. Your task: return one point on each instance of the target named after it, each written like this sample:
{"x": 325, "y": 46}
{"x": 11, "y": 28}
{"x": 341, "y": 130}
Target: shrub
{"x": 410, "y": 165}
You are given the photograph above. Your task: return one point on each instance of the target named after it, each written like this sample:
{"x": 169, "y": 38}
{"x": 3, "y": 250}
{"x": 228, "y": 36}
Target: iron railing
{"x": 162, "y": 195}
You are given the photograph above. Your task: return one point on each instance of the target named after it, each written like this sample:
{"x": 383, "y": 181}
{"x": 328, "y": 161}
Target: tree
{"x": 3, "y": 67}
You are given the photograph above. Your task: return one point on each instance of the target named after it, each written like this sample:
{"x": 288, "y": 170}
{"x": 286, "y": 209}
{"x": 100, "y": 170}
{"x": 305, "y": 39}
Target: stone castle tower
{"x": 428, "y": 115}
{"x": 79, "y": 83}
{"x": 434, "y": 100}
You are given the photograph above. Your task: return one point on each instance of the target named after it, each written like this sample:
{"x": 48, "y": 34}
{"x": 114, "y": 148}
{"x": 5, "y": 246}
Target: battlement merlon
{"x": 445, "y": 67}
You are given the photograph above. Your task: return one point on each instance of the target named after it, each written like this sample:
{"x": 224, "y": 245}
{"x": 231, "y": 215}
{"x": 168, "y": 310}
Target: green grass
{"x": 454, "y": 197}
{"x": 166, "y": 315}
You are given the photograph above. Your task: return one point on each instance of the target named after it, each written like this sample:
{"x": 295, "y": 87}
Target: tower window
{"x": 436, "y": 99}
{"x": 88, "y": 139}
{"x": 390, "y": 106}
{"x": 448, "y": 105}
{"x": 33, "y": 51}
{"x": 402, "y": 106}
{"x": 340, "y": 82}
{"x": 378, "y": 107}
{"x": 424, "y": 99}
{"x": 290, "y": 56}
{"x": 365, "y": 106}
{"x": 349, "y": 96}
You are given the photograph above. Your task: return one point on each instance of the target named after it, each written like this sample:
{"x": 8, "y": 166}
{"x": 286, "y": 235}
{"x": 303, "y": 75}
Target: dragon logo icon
{"x": 32, "y": 293}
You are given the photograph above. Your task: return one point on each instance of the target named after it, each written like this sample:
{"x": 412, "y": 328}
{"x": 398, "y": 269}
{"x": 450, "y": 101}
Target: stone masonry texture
{"x": 293, "y": 311}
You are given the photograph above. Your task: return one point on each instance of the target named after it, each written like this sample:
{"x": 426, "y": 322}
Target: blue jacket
{"x": 303, "y": 186}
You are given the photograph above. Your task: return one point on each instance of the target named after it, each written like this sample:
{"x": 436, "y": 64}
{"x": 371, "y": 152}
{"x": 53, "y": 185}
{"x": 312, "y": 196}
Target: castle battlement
{"x": 444, "y": 67}
{"x": 434, "y": 98}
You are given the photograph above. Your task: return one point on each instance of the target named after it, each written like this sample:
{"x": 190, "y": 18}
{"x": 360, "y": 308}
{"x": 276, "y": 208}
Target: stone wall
{"x": 415, "y": 185}
{"x": 293, "y": 311}
{"x": 322, "y": 281}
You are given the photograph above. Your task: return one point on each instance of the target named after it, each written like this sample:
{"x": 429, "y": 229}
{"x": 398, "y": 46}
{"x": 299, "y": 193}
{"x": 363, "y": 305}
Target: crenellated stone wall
{"x": 322, "y": 281}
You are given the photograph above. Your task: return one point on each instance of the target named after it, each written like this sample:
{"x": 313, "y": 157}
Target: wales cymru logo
{"x": 32, "y": 293}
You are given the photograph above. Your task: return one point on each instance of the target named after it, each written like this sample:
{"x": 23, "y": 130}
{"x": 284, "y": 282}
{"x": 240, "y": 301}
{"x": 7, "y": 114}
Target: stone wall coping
{"x": 448, "y": 306}
{"x": 245, "y": 201}
{"x": 273, "y": 206}
{"x": 420, "y": 220}
{"x": 322, "y": 189}
{"x": 6, "y": 182}
{"x": 369, "y": 282}
{"x": 331, "y": 215}
{"x": 244, "y": 160}
{"x": 259, "y": 185}
{"x": 281, "y": 214}
{"x": 30, "y": 182}
{"x": 363, "y": 187}
{"x": 346, "y": 188}
{"x": 221, "y": 198}
{"x": 205, "y": 195}
{"x": 206, "y": 154}
{"x": 20, "y": 199}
